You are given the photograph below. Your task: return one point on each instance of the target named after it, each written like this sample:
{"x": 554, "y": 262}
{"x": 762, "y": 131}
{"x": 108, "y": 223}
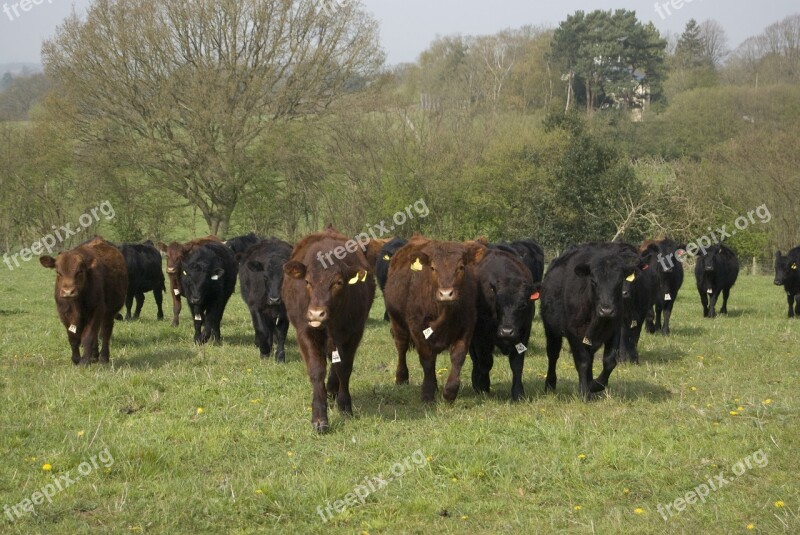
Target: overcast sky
{"x": 408, "y": 26}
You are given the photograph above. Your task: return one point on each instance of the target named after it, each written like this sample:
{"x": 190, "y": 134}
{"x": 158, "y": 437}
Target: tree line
{"x": 280, "y": 117}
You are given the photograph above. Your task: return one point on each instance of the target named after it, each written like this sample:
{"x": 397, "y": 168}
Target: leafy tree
{"x": 184, "y": 91}
{"x": 612, "y": 55}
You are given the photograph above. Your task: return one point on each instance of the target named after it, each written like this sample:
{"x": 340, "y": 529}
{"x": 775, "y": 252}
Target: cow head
{"x": 786, "y": 269}
{"x": 510, "y": 298}
{"x": 606, "y": 273}
{"x": 198, "y": 279}
{"x": 271, "y": 274}
{"x": 326, "y": 287}
{"x": 648, "y": 259}
{"x": 174, "y": 253}
{"x": 446, "y": 264}
{"x": 709, "y": 262}
{"x": 72, "y": 270}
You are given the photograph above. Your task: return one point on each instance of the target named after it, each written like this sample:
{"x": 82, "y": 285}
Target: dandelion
{"x": 693, "y": 388}
{"x": 751, "y": 526}
{"x": 767, "y": 401}
{"x": 429, "y": 458}
{"x": 464, "y": 517}
{"x": 639, "y": 511}
{"x": 290, "y": 453}
{"x": 779, "y": 504}
{"x": 578, "y": 508}
{"x": 47, "y": 467}
{"x": 626, "y": 491}
{"x": 255, "y": 401}
{"x": 249, "y": 370}
{"x": 454, "y": 479}
{"x": 734, "y": 413}
{"x": 740, "y": 409}
{"x": 259, "y": 491}
{"x": 200, "y": 410}
{"x": 581, "y": 456}
{"x": 80, "y": 433}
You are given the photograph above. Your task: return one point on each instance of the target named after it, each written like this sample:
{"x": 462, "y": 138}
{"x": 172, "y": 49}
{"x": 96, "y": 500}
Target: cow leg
{"x": 198, "y": 324}
{"x": 635, "y": 335}
{"x": 281, "y": 329}
{"x": 401, "y": 341}
{"x": 260, "y": 327}
{"x": 128, "y": 304}
{"x": 176, "y": 301}
{"x": 609, "y": 363}
{"x": 480, "y": 352}
{"x": 583, "y": 357}
{"x": 89, "y": 341}
{"x": 725, "y": 293}
{"x": 667, "y": 315}
{"x": 704, "y": 301}
{"x": 214, "y": 322}
{"x": 343, "y": 371}
{"x": 429, "y": 384}
{"x": 314, "y": 357}
{"x": 458, "y": 354}
{"x": 797, "y": 306}
{"x": 516, "y": 361}
{"x": 712, "y": 305}
{"x": 159, "y": 297}
{"x": 139, "y": 304}
{"x": 554, "y": 342}
{"x": 75, "y": 345}
{"x": 653, "y": 313}
{"x": 105, "y": 334}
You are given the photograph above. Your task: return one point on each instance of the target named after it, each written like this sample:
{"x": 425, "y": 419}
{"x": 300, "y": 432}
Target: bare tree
{"x": 186, "y": 91}
{"x": 715, "y": 41}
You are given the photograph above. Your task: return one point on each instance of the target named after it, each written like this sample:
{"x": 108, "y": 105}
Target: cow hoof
{"x": 174, "y": 324}
{"x": 321, "y": 427}
{"x": 280, "y": 357}
{"x": 263, "y": 356}
{"x": 596, "y": 387}
{"x": 549, "y": 387}
{"x": 517, "y": 397}
{"x": 401, "y": 381}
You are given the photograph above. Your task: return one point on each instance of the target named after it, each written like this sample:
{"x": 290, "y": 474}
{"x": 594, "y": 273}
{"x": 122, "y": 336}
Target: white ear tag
{"x": 176, "y": 291}
{"x": 521, "y": 348}
{"x": 198, "y": 317}
{"x": 634, "y": 324}
{"x": 667, "y": 297}
{"x": 710, "y": 291}
{"x": 427, "y": 333}
{"x": 214, "y": 277}
{"x": 586, "y": 341}
{"x": 335, "y": 358}
{"x": 73, "y": 329}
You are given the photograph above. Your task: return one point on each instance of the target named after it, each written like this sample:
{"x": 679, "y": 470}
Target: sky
{"x": 409, "y": 26}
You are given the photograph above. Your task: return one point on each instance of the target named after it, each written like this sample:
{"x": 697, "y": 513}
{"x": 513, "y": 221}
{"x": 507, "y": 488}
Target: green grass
{"x": 250, "y": 462}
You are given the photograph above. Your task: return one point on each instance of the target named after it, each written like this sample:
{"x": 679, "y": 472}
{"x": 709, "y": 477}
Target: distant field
{"x": 213, "y": 440}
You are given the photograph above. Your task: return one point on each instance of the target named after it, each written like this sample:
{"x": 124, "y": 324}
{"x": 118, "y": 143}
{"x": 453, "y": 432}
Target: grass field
{"x": 213, "y": 440}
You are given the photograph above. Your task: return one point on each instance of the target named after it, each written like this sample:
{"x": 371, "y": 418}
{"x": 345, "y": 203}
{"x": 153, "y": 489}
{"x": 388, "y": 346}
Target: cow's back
{"x": 109, "y": 272}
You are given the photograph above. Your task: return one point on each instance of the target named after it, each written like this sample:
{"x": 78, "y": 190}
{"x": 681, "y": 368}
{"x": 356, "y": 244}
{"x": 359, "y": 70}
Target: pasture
{"x": 212, "y": 439}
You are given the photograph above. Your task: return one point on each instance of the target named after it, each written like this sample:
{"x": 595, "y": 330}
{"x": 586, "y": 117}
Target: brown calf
{"x": 328, "y": 307}
{"x": 175, "y": 253}
{"x": 431, "y": 297}
{"x": 91, "y": 284}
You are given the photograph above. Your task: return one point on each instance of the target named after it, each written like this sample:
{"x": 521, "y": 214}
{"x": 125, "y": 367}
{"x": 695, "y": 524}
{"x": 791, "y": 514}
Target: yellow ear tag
{"x": 363, "y": 277}
{"x": 354, "y": 280}
{"x": 387, "y": 257}
{"x": 794, "y": 266}
{"x": 631, "y": 277}
{"x": 416, "y": 266}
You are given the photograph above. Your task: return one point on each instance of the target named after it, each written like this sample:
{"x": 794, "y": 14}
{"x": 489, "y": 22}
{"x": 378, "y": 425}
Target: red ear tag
{"x": 534, "y": 296}
{"x": 646, "y": 266}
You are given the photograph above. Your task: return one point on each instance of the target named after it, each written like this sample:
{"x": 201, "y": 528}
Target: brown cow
{"x": 91, "y": 284}
{"x": 328, "y": 307}
{"x": 175, "y": 253}
{"x": 431, "y": 297}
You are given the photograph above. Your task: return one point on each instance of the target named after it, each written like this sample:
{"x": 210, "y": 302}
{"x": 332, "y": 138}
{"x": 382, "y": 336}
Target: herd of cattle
{"x": 471, "y": 297}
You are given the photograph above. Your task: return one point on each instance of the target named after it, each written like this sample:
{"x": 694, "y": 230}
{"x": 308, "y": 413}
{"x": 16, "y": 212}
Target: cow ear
{"x": 583, "y": 270}
{"x": 255, "y": 265}
{"x": 93, "y": 263}
{"x": 373, "y": 249}
{"x": 47, "y": 261}
{"x": 295, "y": 269}
{"x": 162, "y": 247}
{"x": 474, "y": 254}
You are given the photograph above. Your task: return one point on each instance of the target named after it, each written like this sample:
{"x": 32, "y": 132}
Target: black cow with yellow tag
{"x": 787, "y": 274}
{"x": 639, "y": 294}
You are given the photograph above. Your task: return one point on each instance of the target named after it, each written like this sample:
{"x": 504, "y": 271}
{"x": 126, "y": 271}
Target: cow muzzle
{"x": 446, "y": 295}
{"x": 505, "y": 332}
{"x": 709, "y": 268}
{"x": 778, "y": 282}
{"x": 316, "y": 317}
{"x": 273, "y": 301}
{"x": 606, "y": 311}
{"x": 172, "y": 270}
{"x": 68, "y": 293}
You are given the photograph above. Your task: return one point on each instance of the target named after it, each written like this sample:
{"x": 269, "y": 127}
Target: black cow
{"x": 143, "y": 262}
{"x": 207, "y": 281}
{"x": 787, "y": 274}
{"x": 669, "y": 268}
{"x": 715, "y": 272}
{"x": 582, "y": 301}
{"x": 240, "y": 244}
{"x": 260, "y": 278}
{"x": 506, "y": 293}
{"x": 382, "y": 264}
{"x": 639, "y": 294}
